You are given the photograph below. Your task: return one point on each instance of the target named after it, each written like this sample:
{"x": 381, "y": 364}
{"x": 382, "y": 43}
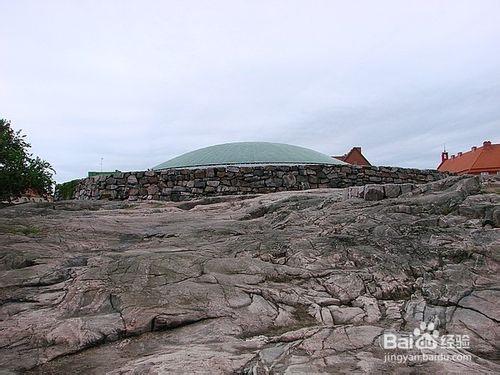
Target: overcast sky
{"x": 139, "y": 82}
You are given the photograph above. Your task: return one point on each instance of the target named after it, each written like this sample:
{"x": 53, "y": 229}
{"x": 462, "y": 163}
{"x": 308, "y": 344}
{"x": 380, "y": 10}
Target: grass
{"x": 24, "y": 230}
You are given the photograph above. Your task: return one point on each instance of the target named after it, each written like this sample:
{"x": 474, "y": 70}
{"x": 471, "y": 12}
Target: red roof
{"x": 475, "y": 161}
{"x": 354, "y": 157}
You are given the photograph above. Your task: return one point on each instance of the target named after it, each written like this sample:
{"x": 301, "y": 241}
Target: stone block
{"x": 132, "y": 180}
{"x": 289, "y": 180}
{"x": 374, "y": 192}
{"x": 406, "y": 188}
{"x": 392, "y": 190}
{"x": 274, "y": 182}
{"x": 354, "y": 192}
{"x": 375, "y": 179}
{"x": 210, "y": 172}
{"x": 199, "y": 184}
{"x": 199, "y": 173}
{"x": 152, "y": 190}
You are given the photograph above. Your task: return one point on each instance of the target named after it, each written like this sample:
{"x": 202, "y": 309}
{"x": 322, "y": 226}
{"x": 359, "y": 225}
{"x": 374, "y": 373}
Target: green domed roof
{"x": 241, "y": 153}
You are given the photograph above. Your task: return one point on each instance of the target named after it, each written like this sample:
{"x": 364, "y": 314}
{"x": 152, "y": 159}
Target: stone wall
{"x": 183, "y": 184}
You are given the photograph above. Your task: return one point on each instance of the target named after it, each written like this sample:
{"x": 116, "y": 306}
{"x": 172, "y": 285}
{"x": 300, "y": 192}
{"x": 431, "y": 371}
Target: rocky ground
{"x": 292, "y": 282}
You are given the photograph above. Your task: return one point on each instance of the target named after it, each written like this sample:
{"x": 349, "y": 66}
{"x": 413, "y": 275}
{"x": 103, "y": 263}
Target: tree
{"x": 19, "y": 169}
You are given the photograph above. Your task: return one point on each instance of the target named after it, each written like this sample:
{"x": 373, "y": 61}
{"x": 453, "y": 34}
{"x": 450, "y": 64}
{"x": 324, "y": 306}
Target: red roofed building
{"x": 479, "y": 160}
{"x": 354, "y": 157}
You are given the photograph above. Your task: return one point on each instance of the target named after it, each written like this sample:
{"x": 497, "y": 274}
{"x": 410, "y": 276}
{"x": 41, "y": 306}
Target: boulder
{"x": 392, "y": 190}
{"x": 373, "y": 192}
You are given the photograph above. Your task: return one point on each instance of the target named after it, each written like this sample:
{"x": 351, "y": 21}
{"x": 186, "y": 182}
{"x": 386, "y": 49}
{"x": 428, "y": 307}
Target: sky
{"x": 139, "y": 82}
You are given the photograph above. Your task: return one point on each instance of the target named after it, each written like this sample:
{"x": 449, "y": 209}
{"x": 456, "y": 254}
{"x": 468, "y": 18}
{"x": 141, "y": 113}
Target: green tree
{"x": 19, "y": 169}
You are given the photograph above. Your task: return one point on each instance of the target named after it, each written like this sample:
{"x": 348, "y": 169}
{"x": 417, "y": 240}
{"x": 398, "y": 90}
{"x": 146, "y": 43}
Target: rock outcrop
{"x": 287, "y": 282}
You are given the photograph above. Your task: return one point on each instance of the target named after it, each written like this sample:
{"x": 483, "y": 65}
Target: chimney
{"x": 357, "y": 149}
{"x": 459, "y": 154}
{"x": 473, "y": 148}
{"x": 453, "y": 156}
{"x": 444, "y": 156}
{"x": 486, "y": 143}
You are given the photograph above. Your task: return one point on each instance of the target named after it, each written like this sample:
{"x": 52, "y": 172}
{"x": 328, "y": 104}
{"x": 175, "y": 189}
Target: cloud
{"x": 137, "y": 83}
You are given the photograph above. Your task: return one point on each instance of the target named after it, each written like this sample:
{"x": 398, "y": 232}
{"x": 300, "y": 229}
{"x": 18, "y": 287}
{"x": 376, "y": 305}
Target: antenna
{"x": 101, "y": 163}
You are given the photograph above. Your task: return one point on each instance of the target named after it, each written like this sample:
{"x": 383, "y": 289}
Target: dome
{"x": 242, "y": 153}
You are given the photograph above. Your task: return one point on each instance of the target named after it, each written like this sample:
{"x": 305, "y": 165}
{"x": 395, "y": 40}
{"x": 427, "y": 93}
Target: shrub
{"x": 19, "y": 169}
{"x": 66, "y": 190}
